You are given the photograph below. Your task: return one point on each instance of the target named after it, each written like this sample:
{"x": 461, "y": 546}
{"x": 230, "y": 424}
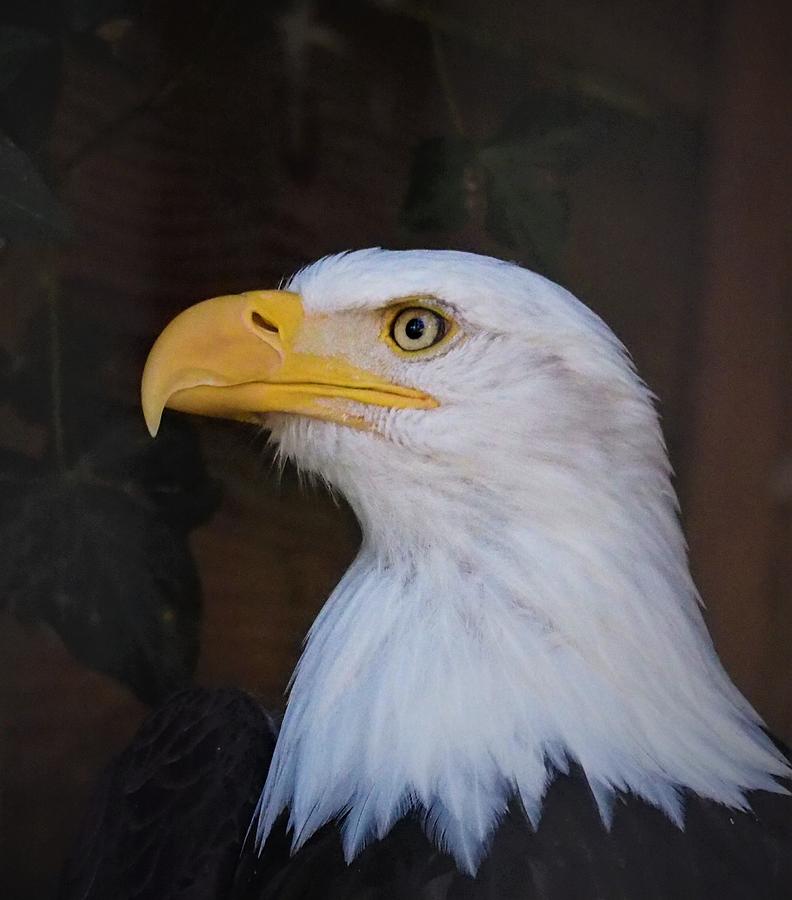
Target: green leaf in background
{"x": 566, "y": 128}
{"x": 524, "y": 169}
{"x": 28, "y": 208}
{"x": 547, "y": 136}
{"x": 18, "y": 47}
{"x": 436, "y": 197}
{"x": 31, "y": 56}
{"x": 95, "y": 529}
{"x": 526, "y": 210}
{"x": 108, "y": 575}
{"x": 99, "y": 552}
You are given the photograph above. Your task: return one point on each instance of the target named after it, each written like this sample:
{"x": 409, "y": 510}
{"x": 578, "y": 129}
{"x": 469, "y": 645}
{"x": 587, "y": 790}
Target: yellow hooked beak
{"x": 233, "y": 357}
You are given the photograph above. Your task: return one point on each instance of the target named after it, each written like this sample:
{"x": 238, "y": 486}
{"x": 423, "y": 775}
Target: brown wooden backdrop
{"x": 231, "y": 176}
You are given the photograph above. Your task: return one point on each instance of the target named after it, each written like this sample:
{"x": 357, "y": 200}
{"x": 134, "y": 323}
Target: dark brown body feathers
{"x": 170, "y": 821}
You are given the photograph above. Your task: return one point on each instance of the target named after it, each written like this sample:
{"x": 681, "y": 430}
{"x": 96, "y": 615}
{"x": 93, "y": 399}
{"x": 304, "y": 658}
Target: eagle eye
{"x": 417, "y": 328}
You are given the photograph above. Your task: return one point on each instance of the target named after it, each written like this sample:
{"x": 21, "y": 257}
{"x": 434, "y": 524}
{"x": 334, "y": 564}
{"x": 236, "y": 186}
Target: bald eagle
{"x": 511, "y": 693}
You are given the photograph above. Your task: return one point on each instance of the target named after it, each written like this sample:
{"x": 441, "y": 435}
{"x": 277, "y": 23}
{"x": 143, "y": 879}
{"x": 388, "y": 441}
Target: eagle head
{"x": 521, "y": 599}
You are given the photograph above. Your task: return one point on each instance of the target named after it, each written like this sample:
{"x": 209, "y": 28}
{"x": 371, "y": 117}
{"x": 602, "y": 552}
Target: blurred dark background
{"x": 156, "y": 153}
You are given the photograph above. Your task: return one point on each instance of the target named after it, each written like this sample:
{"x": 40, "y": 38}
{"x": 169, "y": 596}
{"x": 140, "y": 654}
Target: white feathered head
{"x": 522, "y": 595}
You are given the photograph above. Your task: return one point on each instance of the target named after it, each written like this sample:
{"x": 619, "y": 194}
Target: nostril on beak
{"x": 261, "y": 324}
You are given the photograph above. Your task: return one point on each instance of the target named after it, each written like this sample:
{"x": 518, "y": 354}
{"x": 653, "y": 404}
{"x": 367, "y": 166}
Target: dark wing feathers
{"x": 171, "y": 817}
{"x": 721, "y": 855}
{"x": 172, "y": 811}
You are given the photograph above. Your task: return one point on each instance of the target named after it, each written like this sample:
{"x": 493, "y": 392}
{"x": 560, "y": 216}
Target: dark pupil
{"x": 414, "y": 329}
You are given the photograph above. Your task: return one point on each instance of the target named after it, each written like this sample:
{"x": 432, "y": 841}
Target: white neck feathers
{"x": 471, "y": 663}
